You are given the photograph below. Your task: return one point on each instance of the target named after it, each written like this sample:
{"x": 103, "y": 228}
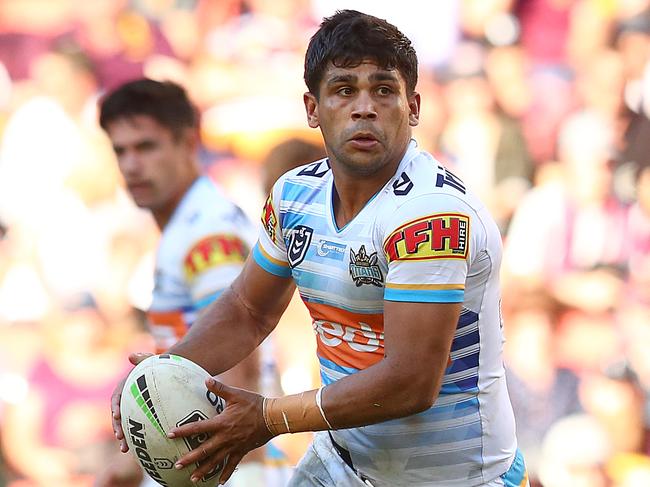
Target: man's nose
{"x": 364, "y": 107}
{"x": 128, "y": 162}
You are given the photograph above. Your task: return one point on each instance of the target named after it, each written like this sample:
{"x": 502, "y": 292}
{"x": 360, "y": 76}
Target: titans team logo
{"x": 298, "y": 244}
{"x": 364, "y": 268}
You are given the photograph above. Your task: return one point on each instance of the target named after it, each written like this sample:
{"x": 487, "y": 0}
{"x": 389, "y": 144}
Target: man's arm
{"x": 229, "y": 330}
{"x": 238, "y": 321}
{"x": 418, "y": 339}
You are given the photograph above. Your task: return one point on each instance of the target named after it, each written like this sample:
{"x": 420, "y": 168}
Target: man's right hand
{"x": 116, "y": 418}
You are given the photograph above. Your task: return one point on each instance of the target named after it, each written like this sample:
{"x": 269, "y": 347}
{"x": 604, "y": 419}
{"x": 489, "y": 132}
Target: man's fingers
{"x": 206, "y": 466}
{"x": 116, "y": 421}
{"x": 221, "y": 389}
{"x": 229, "y": 468}
{"x": 196, "y": 455}
{"x": 192, "y": 429}
{"x": 116, "y": 417}
{"x": 137, "y": 357}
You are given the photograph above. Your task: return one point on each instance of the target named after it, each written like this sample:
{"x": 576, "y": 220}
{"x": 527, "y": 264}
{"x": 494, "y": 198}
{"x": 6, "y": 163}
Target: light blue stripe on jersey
{"x": 331, "y": 372}
{"x": 326, "y": 379}
{"x": 206, "y": 300}
{"x": 516, "y": 474}
{"x": 453, "y": 411}
{"x": 422, "y": 438}
{"x": 313, "y": 280}
{"x": 293, "y": 218}
{"x": 425, "y": 295}
{"x": 326, "y": 287}
{"x": 365, "y": 309}
{"x": 300, "y": 193}
{"x": 338, "y": 368}
{"x": 445, "y": 459}
{"x": 269, "y": 266}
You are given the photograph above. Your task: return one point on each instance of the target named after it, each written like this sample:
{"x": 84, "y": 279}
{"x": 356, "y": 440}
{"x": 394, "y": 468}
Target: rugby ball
{"x": 160, "y": 393}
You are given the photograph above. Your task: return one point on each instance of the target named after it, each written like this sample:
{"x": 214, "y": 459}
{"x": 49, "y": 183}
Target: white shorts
{"x": 322, "y": 466}
{"x": 516, "y": 476}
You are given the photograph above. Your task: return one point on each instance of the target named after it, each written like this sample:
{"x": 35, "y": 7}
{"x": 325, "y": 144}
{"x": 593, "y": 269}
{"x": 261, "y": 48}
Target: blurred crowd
{"x": 541, "y": 106}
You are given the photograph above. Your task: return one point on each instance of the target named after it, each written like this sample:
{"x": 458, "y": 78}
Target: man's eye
{"x": 146, "y": 146}
{"x": 346, "y": 91}
{"x": 384, "y": 90}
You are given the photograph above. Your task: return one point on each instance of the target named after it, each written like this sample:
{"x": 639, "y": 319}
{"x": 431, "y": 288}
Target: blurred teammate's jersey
{"x": 201, "y": 251}
{"x": 421, "y": 238}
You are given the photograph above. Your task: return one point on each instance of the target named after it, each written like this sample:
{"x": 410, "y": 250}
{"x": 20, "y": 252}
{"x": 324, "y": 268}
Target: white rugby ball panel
{"x": 162, "y": 392}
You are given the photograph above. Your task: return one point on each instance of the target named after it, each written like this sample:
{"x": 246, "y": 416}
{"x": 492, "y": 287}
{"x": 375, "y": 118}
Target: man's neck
{"x": 163, "y": 215}
{"x": 351, "y": 194}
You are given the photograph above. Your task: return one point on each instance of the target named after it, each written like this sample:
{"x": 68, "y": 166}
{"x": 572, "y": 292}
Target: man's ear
{"x": 414, "y": 109}
{"x": 191, "y": 138}
{"x": 311, "y": 108}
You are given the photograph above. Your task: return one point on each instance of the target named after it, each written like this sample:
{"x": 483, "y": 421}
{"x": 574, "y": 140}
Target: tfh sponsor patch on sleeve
{"x": 213, "y": 251}
{"x": 437, "y": 236}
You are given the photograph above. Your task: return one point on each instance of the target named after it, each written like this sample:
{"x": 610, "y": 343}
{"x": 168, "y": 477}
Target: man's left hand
{"x": 239, "y": 429}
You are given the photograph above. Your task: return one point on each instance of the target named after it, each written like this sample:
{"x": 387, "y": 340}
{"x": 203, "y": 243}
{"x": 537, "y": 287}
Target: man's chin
{"x": 363, "y": 164}
{"x": 143, "y": 203}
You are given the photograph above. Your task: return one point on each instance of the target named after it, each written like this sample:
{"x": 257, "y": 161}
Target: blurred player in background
{"x": 398, "y": 264}
{"x": 154, "y": 130}
{"x": 286, "y": 155}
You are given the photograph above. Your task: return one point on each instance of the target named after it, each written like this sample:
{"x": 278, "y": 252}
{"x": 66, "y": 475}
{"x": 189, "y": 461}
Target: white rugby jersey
{"x": 422, "y": 238}
{"x": 201, "y": 251}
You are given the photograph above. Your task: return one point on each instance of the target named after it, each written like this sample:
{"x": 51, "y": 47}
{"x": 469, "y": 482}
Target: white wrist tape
{"x": 319, "y": 393}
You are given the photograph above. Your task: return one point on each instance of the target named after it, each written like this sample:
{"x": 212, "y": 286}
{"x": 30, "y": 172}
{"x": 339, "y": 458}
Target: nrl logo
{"x": 364, "y": 268}
{"x": 298, "y": 244}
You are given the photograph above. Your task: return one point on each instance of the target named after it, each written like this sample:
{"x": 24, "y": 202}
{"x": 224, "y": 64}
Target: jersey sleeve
{"x": 211, "y": 264}
{"x": 270, "y": 251}
{"x": 427, "y": 243}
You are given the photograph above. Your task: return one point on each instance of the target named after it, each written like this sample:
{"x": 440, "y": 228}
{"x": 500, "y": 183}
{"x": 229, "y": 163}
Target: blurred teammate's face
{"x": 365, "y": 116}
{"x": 157, "y": 166}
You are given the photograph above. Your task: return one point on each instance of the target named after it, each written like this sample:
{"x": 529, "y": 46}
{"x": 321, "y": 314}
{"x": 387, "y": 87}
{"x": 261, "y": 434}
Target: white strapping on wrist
{"x": 293, "y": 414}
{"x": 264, "y": 414}
{"x": 319, "y": 393}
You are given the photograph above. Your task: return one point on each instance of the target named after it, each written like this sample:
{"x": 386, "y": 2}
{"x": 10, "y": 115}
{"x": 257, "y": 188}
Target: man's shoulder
{"x": 425, "y": 181}
{"x": 204, "y": 212}
{"x": 205, "y": 197}
{"x": 306, "y": 177}
{"x": 425, "y": 195}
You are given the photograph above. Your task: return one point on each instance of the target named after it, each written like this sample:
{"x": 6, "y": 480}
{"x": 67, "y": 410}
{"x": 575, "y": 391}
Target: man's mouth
{"x": 365, "y": 137}
{"x": 364, "y": 141}
{"x": 138, "y": 186}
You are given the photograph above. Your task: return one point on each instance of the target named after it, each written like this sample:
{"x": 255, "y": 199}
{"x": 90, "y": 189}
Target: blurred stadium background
{"x": 540, "y": 105}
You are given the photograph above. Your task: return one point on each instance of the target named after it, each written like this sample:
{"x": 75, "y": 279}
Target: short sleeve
{"x": 426, "y": 243}
{"x": 270, "y": 252}
{"x": 211, "y": 264}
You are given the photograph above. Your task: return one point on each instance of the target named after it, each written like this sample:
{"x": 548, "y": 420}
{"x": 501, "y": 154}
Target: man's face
{"x": 365, "y": 116}
{"x": 155, "y": 164}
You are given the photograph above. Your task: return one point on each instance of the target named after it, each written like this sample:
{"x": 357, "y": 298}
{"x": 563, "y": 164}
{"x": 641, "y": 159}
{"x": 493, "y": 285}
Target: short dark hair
{"x": 348, "y": 37}
{"x": 164, "y": 101}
